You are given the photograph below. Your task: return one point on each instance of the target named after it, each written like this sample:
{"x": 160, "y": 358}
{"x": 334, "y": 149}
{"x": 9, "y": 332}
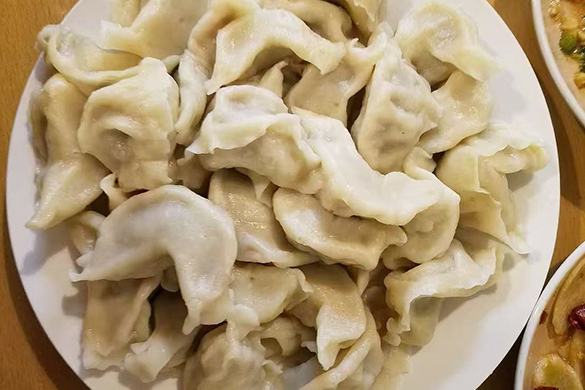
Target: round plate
{"x": 473, "y": 335}
{"x": 551, "y": 62}
{"x": 542, "y": 303}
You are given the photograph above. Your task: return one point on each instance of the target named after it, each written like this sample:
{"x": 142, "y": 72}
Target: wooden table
{"x": 27, "y": 358}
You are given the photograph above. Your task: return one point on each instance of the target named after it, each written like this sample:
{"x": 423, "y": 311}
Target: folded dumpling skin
{"x": 141, "y": 236}
{"x": 69, "y": 179}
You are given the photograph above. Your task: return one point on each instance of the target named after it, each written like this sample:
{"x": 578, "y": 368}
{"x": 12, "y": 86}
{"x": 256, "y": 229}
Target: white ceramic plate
{"x": 543, "y": 301}
{"x": 551, "y": 62}
{"x": 474, "y": 334}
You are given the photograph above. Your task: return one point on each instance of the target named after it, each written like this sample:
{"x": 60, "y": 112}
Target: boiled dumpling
{"x": 397, "y": 109}
{"x": 83, "y": 230}
{"x": 467, "y": 106}
{"x": 115, "y": 195}
{"x": 429, "y": 233}
{"x": 260, "y": 237}
{"x": 241, "y": 114}
{"x": 350, "y": 241}
{"x": 396, "y": 363}
{"x": 329, "y": 94}
{"x": 160, "y": 29}
{"x": 477, "y": 169}
{"x": 358, "y": 367}
{"x": 167, "y": 347}
{"x": 414, "y": 294}
{"x": 124, "y": 12}
{"x": 168, "y": 222}
{"x": 438, "y": 39}
{"x": 363, "y": 12}
{"x": 82, "y": 61}
{"x": 273, "y": 79}
{"x": 240, "y": 43}
{"x": 129, "y": 127}
{"x": 256, "y": 295}
{"x": 327, "y": 20}
{"x": 334, "y": 308}
{"x": 282, "y": 155}
{"x": 289, "y": 334}
{"x": 263, "y": 188}
{"x": 353, "y": 188}
{"x": 192, "y": 75}
{"x": 191, "y": 174}
{"x": 69, "y": 179}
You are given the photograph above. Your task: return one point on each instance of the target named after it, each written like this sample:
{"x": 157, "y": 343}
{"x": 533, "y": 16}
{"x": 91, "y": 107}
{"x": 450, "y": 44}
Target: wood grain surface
{"x": 28, "y": 359}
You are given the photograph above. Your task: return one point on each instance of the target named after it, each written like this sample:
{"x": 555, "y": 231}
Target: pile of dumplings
{"x": 274, "y": 194}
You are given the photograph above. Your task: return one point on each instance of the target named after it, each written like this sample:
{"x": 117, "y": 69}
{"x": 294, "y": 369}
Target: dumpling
{"x": 414, "y": 294}
{"x": 263, "y": 188}
{"x": 69, "y": 179}
{"x": 282, "y": 155}
{"x": 192, "y": 75}
{"x": 327, "y": 20}
{"x": 429, "y": 233}
{"x": 167, "y": 346}
{"x": 240, "y": 43}
{"x": 106, "y": 339}
{"x": 350, "y": 241}
{"x": 397, "y": 109}
{"x": 256, "y": 295}
{"x": 358, "y": 367}
{"x": 129, "y": 127}
{"x": 240, "y": 115}
{"x": 477, "y": 169}
{"x": 437, "y": 39}
{"x": 260, "y": 237}
{"x": 351, "y": 187}
{"x": 329, "y": 94}
{"x": 191, "y": 174}
{"x": 334, "y": 308}
{"x": 290, "y": 336}
{"x": 467, "y": 106}
{"x": 160, "y": 29}
{"x": 164, "y": 223}
{"x": 273, "y": 79}
{"x": 81, "y": 61}
{"x": 202, "y": 41}
{"x": 124, "y": 12}
{"x": 363, "y": 12}
{"x": 115, "y": 195}
{"x": 396, "y": 363}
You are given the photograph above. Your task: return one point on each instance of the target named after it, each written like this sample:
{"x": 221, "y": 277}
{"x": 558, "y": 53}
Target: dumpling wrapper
{"x": 397, "y": 109}
{"x": 467, "y": 106}
{"x": 167, "y": 346}
{"x": 363, "y": 12}
{"x": 69, "y": 180}
{"x": 334, "y": 308}
{"x": 260, "y": 237}
{"x": 349, "y": 241}
{"x": 329, "y": 94}
{"x": 263, "y": 188}
{"x": 129, "y": 127}
{"x": 352, "y": 187}
{"x": 115, "y": 195}
{"x": 141, "y": 236}
{"x": 160, "y": 29}
{"x": 477, "y": 168}
{"x": 437, "y": 39}
{"x": 243, "y": 40}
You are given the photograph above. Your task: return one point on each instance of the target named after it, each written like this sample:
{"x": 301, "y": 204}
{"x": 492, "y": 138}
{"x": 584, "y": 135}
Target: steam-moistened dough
{"x": 129, "y": 127}
{"x": 396, "y": 364}
{"x": 168, "y": 222}
{"x": 69, "y": 180}
{"x": 477, "y": 169}
{"x": 334, "y": 308}
{"x": 240, "y": 115}
{"x": 240, "y": 42}
{"x": 282, "y": 155}
{"x": 82, "y": 62}
{"x": 167, "y": 346}
{"x": 350, "y": 241}
{"x": 438, "y": 39}
{"x": 431, "y": 231}
{"x": 363, "y": 12}
{"x": 260, "y": 237}
{"x": 351, "y": 187}
{"x": 263, "y": 188}
{"x": 192, "y": 75}
{"x": 397, "y": 109}
{"x": 160, "y": 29}
{"x": 329, "y": 94}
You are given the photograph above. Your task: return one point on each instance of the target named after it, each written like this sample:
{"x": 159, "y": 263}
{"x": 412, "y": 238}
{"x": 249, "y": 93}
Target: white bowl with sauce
{"x": 528, "y": 355}
{"x": 558, "y": 64}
